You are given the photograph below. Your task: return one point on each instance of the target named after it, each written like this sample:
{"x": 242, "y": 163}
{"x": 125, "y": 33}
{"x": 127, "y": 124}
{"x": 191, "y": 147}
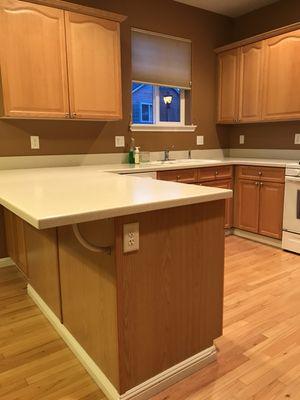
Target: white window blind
{"x": 161, "y": 60}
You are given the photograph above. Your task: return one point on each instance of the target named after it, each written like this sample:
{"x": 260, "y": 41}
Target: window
{"x": 161, "y": 73}
{"x": 157, "y": 105}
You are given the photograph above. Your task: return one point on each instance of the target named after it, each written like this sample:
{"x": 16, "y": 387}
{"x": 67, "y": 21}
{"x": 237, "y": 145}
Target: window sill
{"x": 162, "y": 128}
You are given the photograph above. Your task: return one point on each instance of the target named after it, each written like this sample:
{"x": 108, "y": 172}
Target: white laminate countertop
{"x": 51, "y": 197}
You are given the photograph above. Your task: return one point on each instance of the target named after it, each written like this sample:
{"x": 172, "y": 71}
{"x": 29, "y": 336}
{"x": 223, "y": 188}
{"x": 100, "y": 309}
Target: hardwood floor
{"x": 259, "y": 354}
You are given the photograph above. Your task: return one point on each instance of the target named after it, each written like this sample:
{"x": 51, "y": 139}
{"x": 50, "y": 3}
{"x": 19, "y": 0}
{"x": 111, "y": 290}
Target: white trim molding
{"x": 162, "y": 128}
{"x": 141, "y": 392}
{"x": 6, "y": 262}
{"x": 257, "y": 238}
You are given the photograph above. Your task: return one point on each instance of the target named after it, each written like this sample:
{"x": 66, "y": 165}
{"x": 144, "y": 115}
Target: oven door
{"x": 291, "y": 217}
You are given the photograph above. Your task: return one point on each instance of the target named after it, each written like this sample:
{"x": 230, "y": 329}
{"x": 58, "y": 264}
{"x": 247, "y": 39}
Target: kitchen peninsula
{"x": 137, "y": 320}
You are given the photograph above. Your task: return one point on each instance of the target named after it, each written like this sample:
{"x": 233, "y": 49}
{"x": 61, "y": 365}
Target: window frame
{"x": 156, "y": 114}
{"x": 141, "y": 113}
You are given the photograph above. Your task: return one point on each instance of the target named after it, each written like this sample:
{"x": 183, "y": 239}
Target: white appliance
{"x": 291, "y": 216}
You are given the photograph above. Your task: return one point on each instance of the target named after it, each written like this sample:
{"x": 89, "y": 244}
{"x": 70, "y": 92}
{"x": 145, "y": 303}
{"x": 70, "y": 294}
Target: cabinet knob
{"x": 261, "y": 184}
{"x": 256, "y": 183}
{"x": 178, "y": 177}
{"x": 217, "y": 172}
{"x": 67, "y": 115}
{"x": 260, "y": 173}
{"x": 74, "y": 115}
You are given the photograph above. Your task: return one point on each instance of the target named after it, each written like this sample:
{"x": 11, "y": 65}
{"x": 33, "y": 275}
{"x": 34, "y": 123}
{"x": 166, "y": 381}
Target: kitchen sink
{"x": 183, "y": 161}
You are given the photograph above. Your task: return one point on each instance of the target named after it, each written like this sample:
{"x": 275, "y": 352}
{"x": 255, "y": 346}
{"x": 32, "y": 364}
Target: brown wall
{"x": 207, "y": 30}
{"x": 267, "y": 135}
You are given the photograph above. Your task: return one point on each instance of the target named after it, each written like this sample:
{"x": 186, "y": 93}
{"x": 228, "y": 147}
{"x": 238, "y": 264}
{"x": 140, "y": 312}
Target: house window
{"x": 161, "y": 82}
{"x": 157, "y": 105}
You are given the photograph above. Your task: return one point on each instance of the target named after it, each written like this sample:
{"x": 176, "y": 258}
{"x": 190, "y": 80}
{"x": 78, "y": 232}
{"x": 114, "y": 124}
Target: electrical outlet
{"x": 35, "y": 142}
{"x": 200, "y": 140}
{"x": 297, "y": 138}
{"x": 131, "y": 237}
{"x": 119, "y": 141}
{"x": 242, "y": 139}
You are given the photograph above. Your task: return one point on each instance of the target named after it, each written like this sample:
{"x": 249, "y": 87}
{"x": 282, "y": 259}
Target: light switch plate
{"x": 242, "y": 139}
{"x": 131, "y": 237}
{"x": 297, "y": 138}
{"x": 200, "y": 140}
{"x": 34, "y": 142}
{"x": 119, "y": 141}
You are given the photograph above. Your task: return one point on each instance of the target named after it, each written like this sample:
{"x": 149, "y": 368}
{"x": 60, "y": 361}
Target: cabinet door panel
{"x": 271, "y": 209}
{"x": 33, "y": 60}
{"x": 250, "y": 94}
{"x": 247, "y": 207}
{"x": 281, "y": 77}
{"x": 228, "y": 202}
{"x": 228, "y": 86}
{"x": 93, "y": 52}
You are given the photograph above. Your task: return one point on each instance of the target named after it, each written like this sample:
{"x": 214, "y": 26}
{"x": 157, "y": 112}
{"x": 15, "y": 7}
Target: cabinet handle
{"x": 178, "y": 177}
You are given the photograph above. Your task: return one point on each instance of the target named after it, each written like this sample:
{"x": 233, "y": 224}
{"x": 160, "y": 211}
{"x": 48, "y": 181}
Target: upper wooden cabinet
{"x": 33, "y": 60}
{"x": 93, "y": 48}
{"x": 228, "y": 86}
{"x": 281, "y": 95}
{"x": 268, "y": 83}
{"x": 58, "y": 64}
{"x": 250, "y": 78}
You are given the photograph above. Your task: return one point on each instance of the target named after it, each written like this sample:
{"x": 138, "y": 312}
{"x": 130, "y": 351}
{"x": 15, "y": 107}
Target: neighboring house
{"x": 142, "y": 104}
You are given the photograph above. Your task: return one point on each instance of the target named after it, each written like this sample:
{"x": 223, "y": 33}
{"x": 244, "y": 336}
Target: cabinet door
{"x": 250, "y": 87}
{"x": 247, "y": 205}
{"x": 281, "y": 99}
{"x": 93, "y": 52}
{"x": 33, "y": 60}
{"x": 271, "y": 209}
{"x": 228, "y": 86}
{"x": 228, "y": 202}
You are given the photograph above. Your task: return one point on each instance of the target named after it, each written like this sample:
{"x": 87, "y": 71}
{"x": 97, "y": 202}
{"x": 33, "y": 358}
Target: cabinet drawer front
{"x": 269, "y": 174}
{"x": 213, "y": 173}
{"x": 182, "y": 175}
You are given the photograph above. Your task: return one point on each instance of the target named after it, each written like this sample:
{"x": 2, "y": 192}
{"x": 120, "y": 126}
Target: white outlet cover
{"x": 131, "y": 237}
{"x": 200, "y": 140}
{"x": 242, "y": 139}
{"x": 297, "y": 138}
{"x": 34, "y": 142}
{"x": 119, "y": 141}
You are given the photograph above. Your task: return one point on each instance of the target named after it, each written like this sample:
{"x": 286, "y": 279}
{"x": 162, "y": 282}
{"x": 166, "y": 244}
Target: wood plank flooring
{"x": 259, "y": 353}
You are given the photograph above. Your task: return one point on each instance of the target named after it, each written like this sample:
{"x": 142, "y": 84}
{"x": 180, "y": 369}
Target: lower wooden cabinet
{"x": 14, "y": 228}
{"x": 259, "y": 207}
{"x": 271, "y": 209}
{"x": 226, "y": 184}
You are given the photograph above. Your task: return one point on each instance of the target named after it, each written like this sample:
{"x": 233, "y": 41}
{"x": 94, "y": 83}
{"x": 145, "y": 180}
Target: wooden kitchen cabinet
{"x": 224, "y": 184}
{"x": 247, "y": 205}
{"x": 33, "y": 60}
{"x": 281, "y": 100}
{"x": 250, "y": 85}
{"x": 59, "y": 64}
{"x": 260, "y": 81}
{"x": 15, "y": 238}
{"x": 271, "y": 209}
{"x": 259, "y": 196}
{"x": 228, "y": 86}
{"x": 94, "y": 67}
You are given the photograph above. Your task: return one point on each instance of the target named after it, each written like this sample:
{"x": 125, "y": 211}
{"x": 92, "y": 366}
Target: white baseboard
{"x": 6, "y": 262}
{"x": 258, "y": 238}
{"x": 141, "y": 392}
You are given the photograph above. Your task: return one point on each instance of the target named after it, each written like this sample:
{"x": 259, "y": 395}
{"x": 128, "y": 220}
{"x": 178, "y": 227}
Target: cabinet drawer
{"x": 213, "y": 173}
{"x": 269, "y": 174}
{"x": 181, "y": 175}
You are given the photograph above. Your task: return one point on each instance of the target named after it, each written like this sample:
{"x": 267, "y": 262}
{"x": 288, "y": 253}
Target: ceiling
{"x": 231, "y": 8}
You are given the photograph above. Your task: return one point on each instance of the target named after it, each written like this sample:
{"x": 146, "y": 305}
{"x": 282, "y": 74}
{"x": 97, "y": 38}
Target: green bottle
{"x": 131, "y": 152}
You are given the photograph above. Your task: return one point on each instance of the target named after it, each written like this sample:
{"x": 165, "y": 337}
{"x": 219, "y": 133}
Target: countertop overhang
{"x": 52, "y": 197}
